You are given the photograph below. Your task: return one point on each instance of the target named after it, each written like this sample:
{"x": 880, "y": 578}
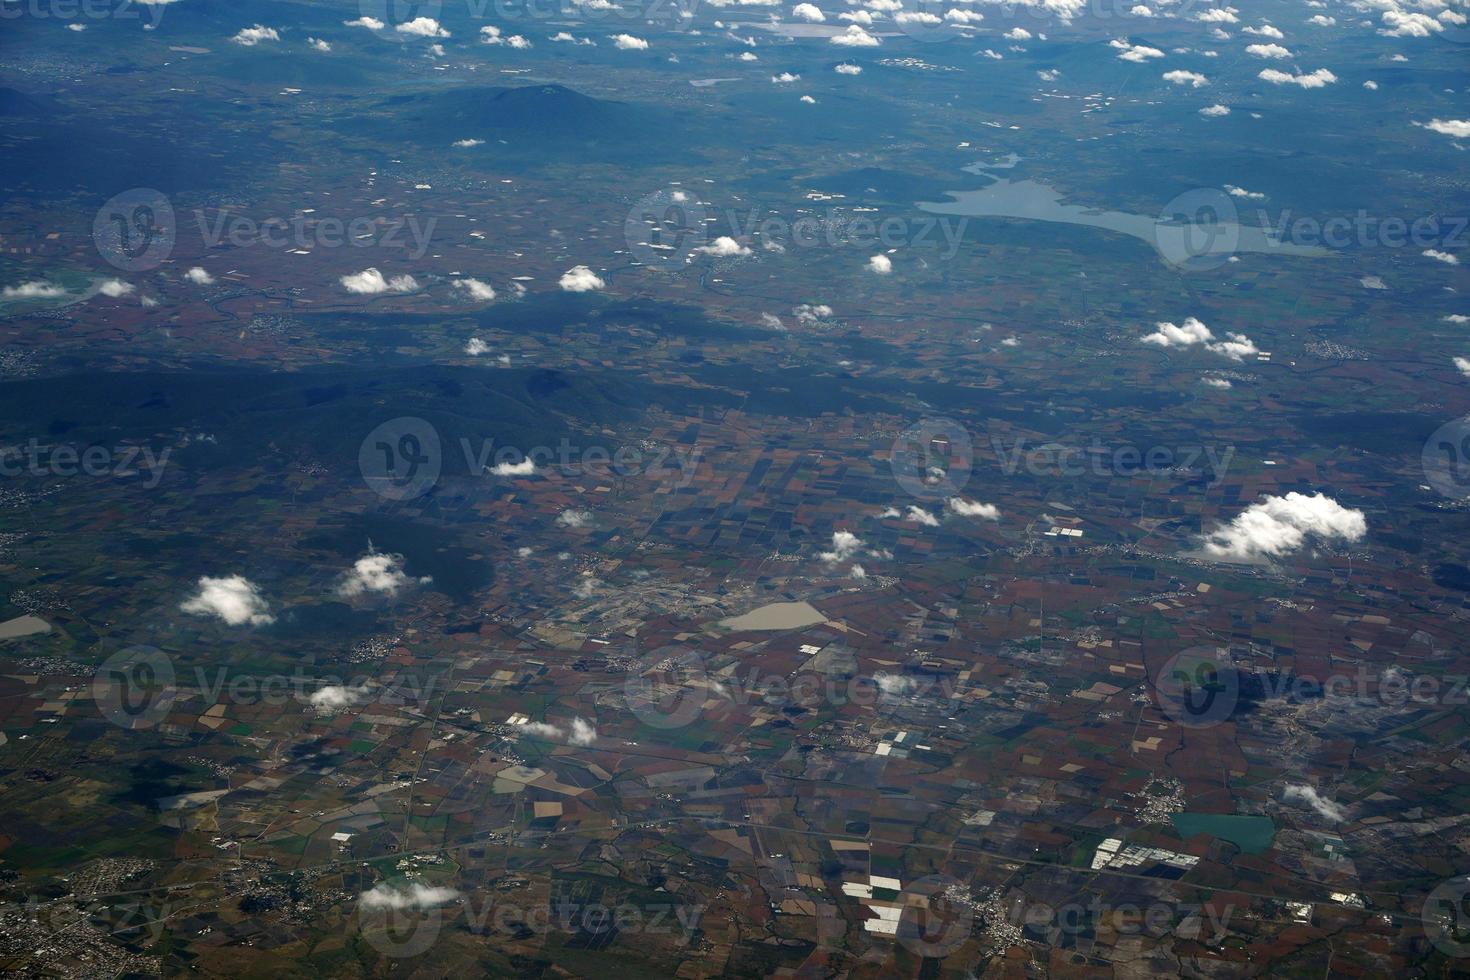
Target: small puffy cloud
{"x": 848, "y": 70}
{"x": 1017, "y": 34}
{"x": 785, "y": 78}
{"x": 475, "y": 347}
{"x": 1316, "y": 79}
{"x": 894, "y": 684}
{"x": 855, "y": 37}
{"x": 422, "y": 27}
{"x": 724, "y": 247}
{"x": 1371, "y": 85}
{"x": 1268, "y": 51}
{"x": 1215, "y": 111}
{"x": 1242, "y": 192}
{"x": 1265, "y": 30}
{"x": 335, "y": 697}
{"x": 249, "y": 37}
{"x": 375, "y": 572}
{"x": 748, "y": 56}
{"x": 808, "y": 12}
{"x": 476, "y": 289}
{"x": 526, "y": 467}
{"x": 1181, "y": 77}
{"x": 1322, "y": 20}
{"x": 1405, "y": 23}
{"x": 369, "y": 282}
{"x": 115, "y": 288}
{"x": 465, "y": 144}
{"x": 490, "y": 34}
{"x": 1308, "y": 797}
{"x": 1457, "y": 318}
{"x": 971, "y": 508}
{"x": 627, "y": 42}
{"x": 580, "y": 279}
{"x": 199, "y": 276}
{"x": 1138, "y": 53}
{"x": 1236, "y": 346}
{"x": 845, "y": 545}
{"x": 1139, "y": 10}
{"x": 233, "y": 599}
{"x": 1448, "y": 258}
{"x": 371, "y": 23}
{"x": 36, "y": 289}
{"x": 919, "y": 515}
{"x": 880, "y": 264}
{"x": 1458, "y": 128}
{"x": 582, "y": 732}
{"x": 1281, "y": 525}
{"x": 574, "y": 518}
{"x": 1218, "y": 15}
{"x": 920, "y": 17}
{"x": 1462, "y": 364}
{"x": 317, "y": 44}
{"x": 415, "y": 896}
{"x": 857, "y": 17}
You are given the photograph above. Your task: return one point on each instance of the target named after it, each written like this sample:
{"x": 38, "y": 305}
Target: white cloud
{"x": 1405, "y": 23}
{"x": 1265, "y": 30}
{"x": 1448, "y": 258}
{"x": 371, "y": 23}
{"x": 881, "y": 264}
{"x": 1317, "y": 79}
{"x": 582, "y": 732}
{"x": 1181, "y": 77}
{"x": 490, "y": 34}
{"x": 894, "y": 684}
{"x": 921, "y": 17}
{"x": 1309, "y": 797}
{"x": 1137, "y": 53}
{"x": 1242, "y": 192}
{"x": 249, "y": 37}
{"x": 335, "y": 697}
{"x": 1460, "y": 318}
{"x": 317, "y": 44}
{"x": 1017, "y": 34}
{"x": 574, "y": 518}
{"x": 199, "y": 276}
{"x": 919, "y": 515}
{"x": 1462, "y": 364}
{"x": 724, "y": 247}
{"x": 971, "y": 508}
{"x": 857, "y": 17}
{"x": 1215, "y": 111}
{"x": 1321, "y": 20}
{"x": 955, "y": 15}
{"x": 36, "y": 289}
{"x": 808, "y": 12}
{"x": 580, "y": 279}
{"x": 1371, "y": 85}
{"x": 1268, "y": 51}
{"x": 848, "y": 70}
{"x": 1236, "y": 346}
{"x": 525, "y": 467}
{"x": 467, "y": 143}
{"x": 1280, "y": 525}
{"x": 376, "y": 572}
{"x": 845, "y": 545}
{"x": 422, "y": 27}
{"x": 1219, "y": 15}
{"x": 855, "y": 37}
{"x": 233, "y": 599}
{"x": 370, "y": 282}
{"x": 477, "y": 289}
{"x": 1214, "y": 382}
{"x": 1458, "y": 128}
{"x": 627, "y": 42}
{"x": 414, "y": 896}
{"x": 475, "y": 347}
{"x": 115, "y": 288}
{"x": 785, "y": 78}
